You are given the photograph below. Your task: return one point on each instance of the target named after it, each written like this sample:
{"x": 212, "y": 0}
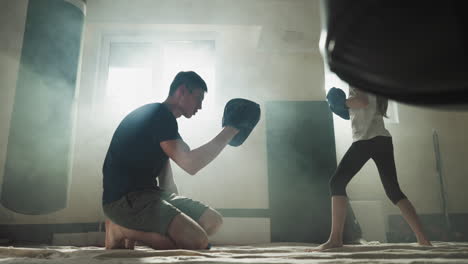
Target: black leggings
{"x": 380, "y": 149}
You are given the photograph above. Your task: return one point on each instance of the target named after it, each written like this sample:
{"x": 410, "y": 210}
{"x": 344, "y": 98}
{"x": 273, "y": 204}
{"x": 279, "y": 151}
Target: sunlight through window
{"x": 122, "y": 80}
{"x": 141, "y": 73}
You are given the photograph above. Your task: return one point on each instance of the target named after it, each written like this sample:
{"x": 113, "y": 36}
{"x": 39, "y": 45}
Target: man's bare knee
{"x": 187, "y": 234}
{"x": 192, "y": 240}
{"x": 197, "y": 243}
{"x": 211, "y": 221}
{"x": 202, "y": 243}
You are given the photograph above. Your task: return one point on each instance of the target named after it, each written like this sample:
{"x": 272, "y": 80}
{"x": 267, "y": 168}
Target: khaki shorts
{"x": 151, "y": 210}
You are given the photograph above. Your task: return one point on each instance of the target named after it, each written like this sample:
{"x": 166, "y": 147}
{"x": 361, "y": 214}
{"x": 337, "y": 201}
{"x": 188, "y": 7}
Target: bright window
{"x": 141, "y": 72}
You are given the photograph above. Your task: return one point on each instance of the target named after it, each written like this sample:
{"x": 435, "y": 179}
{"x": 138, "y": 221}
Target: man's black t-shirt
{"x": 135, "y": 158}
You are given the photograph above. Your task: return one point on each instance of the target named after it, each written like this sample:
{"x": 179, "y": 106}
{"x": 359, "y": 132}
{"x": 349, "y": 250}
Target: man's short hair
{"x": 190, "y": 79}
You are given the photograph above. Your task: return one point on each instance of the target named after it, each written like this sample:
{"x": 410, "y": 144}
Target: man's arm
{"x": 193, "y": 161}
{"x": 166, "y": 179}
{"x": 360, "y": 100}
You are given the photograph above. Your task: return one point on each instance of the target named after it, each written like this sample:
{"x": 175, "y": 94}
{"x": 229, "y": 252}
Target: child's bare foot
{"x": 424, "y": 242}
{"x": 327, "y": 245}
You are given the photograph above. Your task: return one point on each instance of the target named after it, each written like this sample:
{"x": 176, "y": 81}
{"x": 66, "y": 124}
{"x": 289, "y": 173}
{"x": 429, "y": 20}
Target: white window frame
{"x": 156, "y": 38}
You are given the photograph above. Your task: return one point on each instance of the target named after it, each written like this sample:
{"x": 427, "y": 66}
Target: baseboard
{"x": 435, "y": 226}
{"x": 79, "y": 232}
{"x": 43, "y": 233}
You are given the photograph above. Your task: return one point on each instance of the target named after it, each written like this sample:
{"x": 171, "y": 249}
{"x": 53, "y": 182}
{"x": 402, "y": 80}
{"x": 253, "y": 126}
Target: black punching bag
{"x": 37, "y": 168}
{"x": 410, "y": 51}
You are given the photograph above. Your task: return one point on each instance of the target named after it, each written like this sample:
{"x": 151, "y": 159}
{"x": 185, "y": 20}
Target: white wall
{"x": 12, "y": 22}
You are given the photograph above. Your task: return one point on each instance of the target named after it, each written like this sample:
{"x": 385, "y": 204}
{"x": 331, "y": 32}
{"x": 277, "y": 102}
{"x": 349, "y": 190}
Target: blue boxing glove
{"x": 243, "y": 115}
{"x": 336, "y": 99}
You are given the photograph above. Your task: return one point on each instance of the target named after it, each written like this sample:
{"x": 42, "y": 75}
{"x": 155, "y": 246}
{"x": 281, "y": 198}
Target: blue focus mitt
{"x": 336, "y": 99}
{"x": 243, "y": 115}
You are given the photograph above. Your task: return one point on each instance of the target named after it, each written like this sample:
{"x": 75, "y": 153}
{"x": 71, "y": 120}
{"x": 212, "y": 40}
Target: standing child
{"x": 371, "y": 140}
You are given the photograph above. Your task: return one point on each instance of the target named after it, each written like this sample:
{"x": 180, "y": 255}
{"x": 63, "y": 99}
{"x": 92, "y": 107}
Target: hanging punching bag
{"x": 409, "y": 51}
{"x": 37, "y": 168}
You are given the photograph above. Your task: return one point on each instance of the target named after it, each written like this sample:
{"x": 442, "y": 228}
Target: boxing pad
{"x": 408, "y": 51}
{"x": 336, "y": 99}
{"x": 243, "y": 115}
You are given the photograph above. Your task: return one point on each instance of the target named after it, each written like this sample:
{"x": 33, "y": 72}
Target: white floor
{"x": 373, "y": 252}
